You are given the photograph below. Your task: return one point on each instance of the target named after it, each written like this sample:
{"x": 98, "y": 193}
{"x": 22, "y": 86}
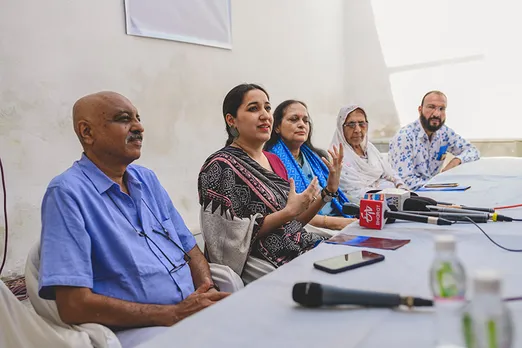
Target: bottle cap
{"x": 445, "y": 242}
{"x": 487, "y": 281}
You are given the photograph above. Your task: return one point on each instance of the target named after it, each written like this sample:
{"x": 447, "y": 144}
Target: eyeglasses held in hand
{"x": 352, "y": 125}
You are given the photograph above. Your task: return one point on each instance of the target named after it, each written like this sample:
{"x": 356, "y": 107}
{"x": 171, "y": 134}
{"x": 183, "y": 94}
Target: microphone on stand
{"x": 464, "y": 212}
{"x": 316, "y": 295}
{"x": 465, "y": 207}
{"x": 429, "y": 201}
{"x": 418, "y": 205}
{"x": 478, "y": 218}
{"x": 373, "y": 214}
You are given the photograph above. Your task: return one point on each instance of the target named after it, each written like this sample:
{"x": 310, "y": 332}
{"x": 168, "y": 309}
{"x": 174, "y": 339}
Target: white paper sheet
{"x": 204, "y": 22}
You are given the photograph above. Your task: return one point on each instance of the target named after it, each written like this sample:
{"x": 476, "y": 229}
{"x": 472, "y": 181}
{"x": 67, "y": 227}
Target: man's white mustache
{"x": 133, "y": 137}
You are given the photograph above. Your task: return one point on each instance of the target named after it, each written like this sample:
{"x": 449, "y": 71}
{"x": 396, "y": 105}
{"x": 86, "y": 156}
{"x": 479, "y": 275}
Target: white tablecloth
{"x": 264, "y": 315}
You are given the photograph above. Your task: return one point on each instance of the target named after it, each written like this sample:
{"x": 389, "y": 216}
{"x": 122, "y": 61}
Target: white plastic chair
{"x": 20, "y": 326}
{"x": 85, "y": 335}
{"x": 225, "y": 278}
{"x": 255, "y": 268}
{"x": 230, "y": 281}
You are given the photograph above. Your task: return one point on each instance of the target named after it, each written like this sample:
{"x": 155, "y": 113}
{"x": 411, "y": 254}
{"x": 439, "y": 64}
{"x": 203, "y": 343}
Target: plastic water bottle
{"x": 487, "y": 321}
{"x": 448, "y": 285}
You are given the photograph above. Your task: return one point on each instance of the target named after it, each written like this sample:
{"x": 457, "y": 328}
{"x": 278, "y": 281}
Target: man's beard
{"x": 426, "y": 123}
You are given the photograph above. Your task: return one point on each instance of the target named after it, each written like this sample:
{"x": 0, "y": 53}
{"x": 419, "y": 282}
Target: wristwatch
{"x": 327, "y": 196}
{"x": 214, "y": 286}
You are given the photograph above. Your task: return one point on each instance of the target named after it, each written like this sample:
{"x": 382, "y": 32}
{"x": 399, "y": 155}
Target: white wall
{"x": 366, "y": 76}
{"x": 381, "y": 54}
{"x": 52, "y": 52}
{"x": 471, "y": 50}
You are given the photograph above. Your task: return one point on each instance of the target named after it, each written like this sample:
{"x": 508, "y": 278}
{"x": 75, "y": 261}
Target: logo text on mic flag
{"x": 372, "y": 214}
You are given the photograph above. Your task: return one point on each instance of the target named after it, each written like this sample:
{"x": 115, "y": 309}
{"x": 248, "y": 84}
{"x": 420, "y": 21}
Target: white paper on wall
{"x": 204, "y": 22}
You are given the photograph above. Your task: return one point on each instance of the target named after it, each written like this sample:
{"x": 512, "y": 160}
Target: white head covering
{"x": 358, "y": 175}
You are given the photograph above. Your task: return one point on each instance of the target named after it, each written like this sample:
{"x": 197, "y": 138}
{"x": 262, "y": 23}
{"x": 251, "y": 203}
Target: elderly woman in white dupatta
{"x": 364, "y": 169}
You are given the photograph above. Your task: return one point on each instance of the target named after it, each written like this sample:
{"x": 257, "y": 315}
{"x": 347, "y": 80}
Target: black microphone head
{"x": 308, "y": 294}
{"x": 418, "y": 203}
{"x": 422, "y": 302}
{"x": 351, "y": 209}
{"x": 392, "y": 207}
{"x": 426, "y": 199}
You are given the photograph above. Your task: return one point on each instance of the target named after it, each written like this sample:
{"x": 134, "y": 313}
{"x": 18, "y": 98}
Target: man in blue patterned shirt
{"x": 418, "y": 150}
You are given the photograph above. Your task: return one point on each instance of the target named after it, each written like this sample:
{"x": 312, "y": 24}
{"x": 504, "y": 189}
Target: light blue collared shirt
{"x": 417, "y": 159}
{"x": 88, "y": 242}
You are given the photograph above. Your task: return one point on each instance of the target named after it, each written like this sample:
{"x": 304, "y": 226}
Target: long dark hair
{"x": 233, "y": 100}
{"x": 278, "y": 118}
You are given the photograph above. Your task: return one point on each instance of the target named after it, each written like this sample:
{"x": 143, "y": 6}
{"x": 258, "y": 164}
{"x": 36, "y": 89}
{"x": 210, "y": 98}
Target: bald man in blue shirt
{"x": 114, "y": 250}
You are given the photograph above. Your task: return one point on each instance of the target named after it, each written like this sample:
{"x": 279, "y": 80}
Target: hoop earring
{"x": 233, "y": 131}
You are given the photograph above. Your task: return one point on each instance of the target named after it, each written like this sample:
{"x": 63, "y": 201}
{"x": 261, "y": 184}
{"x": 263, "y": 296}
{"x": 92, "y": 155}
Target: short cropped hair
{"x": 432, "y": 92}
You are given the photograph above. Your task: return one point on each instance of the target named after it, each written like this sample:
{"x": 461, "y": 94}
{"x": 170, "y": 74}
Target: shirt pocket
{"x": 441, "y": 154}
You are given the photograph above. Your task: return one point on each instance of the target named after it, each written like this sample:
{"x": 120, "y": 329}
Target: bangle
{"x": 324, "y": 222}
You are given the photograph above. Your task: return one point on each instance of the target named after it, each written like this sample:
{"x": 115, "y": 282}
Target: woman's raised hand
{"x": 297, "y": 203}
{"x": 334, "y": 164}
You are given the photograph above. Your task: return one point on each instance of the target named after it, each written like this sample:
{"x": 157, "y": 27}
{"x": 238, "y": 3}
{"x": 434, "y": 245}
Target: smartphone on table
{"x": 345, "y": 262}
{"x": 442, "y": 185}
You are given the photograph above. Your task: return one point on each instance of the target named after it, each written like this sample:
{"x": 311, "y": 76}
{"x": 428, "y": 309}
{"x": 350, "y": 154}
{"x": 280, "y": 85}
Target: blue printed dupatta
{"x": 301, "y": 181}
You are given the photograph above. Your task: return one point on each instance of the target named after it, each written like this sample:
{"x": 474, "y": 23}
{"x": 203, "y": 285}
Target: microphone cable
{"x": 509, "y": 206}
{"x": 5, "y": 217}
{"x": 492, "y": 241}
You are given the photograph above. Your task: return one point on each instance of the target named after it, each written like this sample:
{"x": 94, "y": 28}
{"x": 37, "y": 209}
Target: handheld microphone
{"x": 493, "y": 216}
{"x": 478, "y": 218}
{"x": 373, "y": 214}
{"x": 316, "y": 295}
{"x": 429, "y": 201}
{"x": 418, "y": 203}
{"x": 465, "y": 207}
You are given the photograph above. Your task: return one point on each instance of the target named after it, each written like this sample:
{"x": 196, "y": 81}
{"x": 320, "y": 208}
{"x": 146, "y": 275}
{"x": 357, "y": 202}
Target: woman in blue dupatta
{"x": 291, "y": 142}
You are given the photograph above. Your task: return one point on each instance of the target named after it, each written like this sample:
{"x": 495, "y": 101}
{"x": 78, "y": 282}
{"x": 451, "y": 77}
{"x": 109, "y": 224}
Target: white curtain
{"x": 204, "y": 22}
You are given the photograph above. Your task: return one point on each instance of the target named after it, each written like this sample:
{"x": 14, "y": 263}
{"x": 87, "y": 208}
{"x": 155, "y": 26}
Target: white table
{"x": 494, "y": 181}
{"x": 264, "y": 314}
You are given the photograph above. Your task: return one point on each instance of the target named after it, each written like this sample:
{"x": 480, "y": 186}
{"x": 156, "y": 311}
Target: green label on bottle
{"x": 468, "y": 331}
{"x": 446, "y": 281}
{"x": 492, "y": 334}
{"x": 469, "y": 335}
